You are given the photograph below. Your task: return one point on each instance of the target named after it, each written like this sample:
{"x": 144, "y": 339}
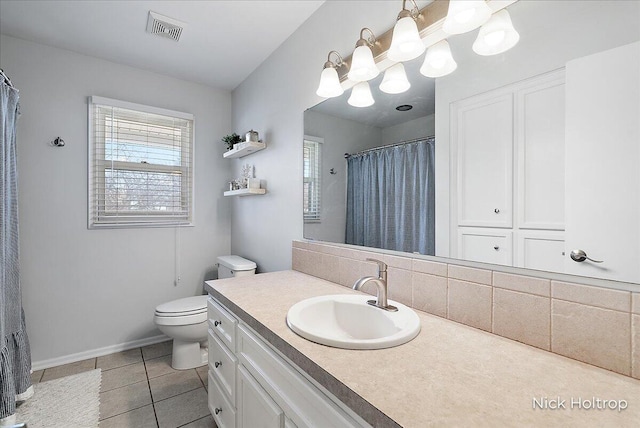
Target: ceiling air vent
{"x": 164, "y": 26}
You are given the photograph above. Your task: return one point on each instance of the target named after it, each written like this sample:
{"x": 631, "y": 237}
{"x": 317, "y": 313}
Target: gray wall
{"x": 416, "y": 128}
{"x": 89, "y": 289}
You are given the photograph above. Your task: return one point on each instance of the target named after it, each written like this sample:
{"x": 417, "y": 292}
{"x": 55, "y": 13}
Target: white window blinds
{"x": 140, "y": 165}
{"x": 311, "y": 180}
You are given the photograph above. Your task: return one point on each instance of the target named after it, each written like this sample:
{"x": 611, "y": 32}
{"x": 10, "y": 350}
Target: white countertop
{"x": 450, "y": 375}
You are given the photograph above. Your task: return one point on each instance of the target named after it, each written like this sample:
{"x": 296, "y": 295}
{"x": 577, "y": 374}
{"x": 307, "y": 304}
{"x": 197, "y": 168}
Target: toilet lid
{"x": 187, "y": 306}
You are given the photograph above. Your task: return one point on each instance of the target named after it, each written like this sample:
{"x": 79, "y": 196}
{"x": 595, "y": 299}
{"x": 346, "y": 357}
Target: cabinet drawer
{"x": 485, "y": 245}
{"x": 223, "y": 413}
{"x": 301, "y": 401}
{"x": 222, "y": 323}
{"x": 222, "y": 365}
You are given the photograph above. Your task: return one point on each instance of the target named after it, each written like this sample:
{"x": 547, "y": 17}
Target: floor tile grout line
{"x": 196, "y": 420}
{"x": 153, "y": 404}
{"x": 177, "y": 395}
{"x": 124, "y": 413}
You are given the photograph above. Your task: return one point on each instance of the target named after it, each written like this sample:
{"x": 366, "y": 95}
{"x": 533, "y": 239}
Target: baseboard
{"x": 72, "y": 358}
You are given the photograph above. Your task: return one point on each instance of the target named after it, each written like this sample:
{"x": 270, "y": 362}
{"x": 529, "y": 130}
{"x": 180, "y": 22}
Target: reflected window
{"x": 312, "y": 159}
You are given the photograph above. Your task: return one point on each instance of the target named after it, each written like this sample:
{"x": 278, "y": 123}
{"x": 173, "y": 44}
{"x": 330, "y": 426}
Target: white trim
{"x": 99, "y": 352}
{"x": 139, "y": 107}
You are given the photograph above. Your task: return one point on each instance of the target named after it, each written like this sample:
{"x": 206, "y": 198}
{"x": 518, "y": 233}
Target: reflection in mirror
{"x": 536, "y": 149}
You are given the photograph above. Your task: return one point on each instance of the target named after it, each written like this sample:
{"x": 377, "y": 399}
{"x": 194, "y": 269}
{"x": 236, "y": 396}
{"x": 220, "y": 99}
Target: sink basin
{"x": 347, "y": 321}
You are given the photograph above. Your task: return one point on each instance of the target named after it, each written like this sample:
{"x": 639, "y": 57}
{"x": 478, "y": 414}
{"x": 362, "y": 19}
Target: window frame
{"x": 317, "y": 218}
{"x": 95, "y": 179}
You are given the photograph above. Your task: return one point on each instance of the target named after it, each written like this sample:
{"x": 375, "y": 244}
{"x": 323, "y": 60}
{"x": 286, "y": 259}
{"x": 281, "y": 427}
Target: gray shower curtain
{"x": 391, "y": 198}
{"x": 15, "y": 356}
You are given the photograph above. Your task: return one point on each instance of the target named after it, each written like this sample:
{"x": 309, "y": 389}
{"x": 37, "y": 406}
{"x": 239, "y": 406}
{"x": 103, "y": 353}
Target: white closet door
{"x": 540, "y": 125}
{"x": 483, "y": 132}
{"x": 602, "y": 158}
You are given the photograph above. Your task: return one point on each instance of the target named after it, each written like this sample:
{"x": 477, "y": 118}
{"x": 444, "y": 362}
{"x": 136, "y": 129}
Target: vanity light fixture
{"x": 330, "y": 86}
{"x": 465, "y": 15}
{"x": 363, "y": 67}
{"x": 406, "y": 43}
{"x": 361, "y": 95}
{"x": 395, "y": 80}
{"x": 497, "y": 35}
{"x": 438, "y": 61}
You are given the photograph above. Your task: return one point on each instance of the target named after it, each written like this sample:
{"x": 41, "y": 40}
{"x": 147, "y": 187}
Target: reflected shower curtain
{"x": 15, "y": 356}
{"x": 391, "y": 198}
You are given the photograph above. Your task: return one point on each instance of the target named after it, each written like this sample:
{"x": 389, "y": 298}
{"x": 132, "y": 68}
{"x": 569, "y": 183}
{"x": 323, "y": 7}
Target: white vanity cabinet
{"x": 253, "y": 385}
{"x": 508, "y": 185}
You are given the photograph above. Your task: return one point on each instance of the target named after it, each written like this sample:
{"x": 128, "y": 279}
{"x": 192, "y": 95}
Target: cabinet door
{"x": 482, "y": 136}
{"x": 255, "y": 408}
{"x": 485, "y": 245}
{"x": 540, "y": 126}
{"x": 541, "y": 250}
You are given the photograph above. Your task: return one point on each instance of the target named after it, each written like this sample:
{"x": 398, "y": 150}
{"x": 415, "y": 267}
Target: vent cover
{"x": 164, "y": 26}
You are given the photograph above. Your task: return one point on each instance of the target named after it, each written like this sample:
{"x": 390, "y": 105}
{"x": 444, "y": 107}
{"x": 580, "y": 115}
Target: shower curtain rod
{"x": 401, "y": 143}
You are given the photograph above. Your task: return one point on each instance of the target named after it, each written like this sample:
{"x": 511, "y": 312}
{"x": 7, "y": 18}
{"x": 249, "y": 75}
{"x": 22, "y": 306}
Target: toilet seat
{"x": 180, "y": 320}
{"x": 189, "y": 310}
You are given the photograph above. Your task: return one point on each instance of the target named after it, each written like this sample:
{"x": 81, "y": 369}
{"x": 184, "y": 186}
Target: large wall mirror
{"x": 516, "y": 159}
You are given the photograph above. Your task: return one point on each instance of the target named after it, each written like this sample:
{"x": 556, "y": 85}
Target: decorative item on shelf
{"x": 252, "y": 137}
{"x": 231, "y": 140}
{"x": 253, "y": 183}
{"x": 247, "y": 173}
{"x": 234, "y": 185}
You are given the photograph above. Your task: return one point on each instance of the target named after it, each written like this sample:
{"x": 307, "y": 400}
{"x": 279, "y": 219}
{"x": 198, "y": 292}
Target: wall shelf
{"x": 245, "y": 192}
{"x": 244, "y": 149}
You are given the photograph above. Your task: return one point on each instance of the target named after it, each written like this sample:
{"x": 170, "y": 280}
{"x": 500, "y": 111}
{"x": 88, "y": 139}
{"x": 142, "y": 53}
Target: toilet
{"x": 185, "y": 320}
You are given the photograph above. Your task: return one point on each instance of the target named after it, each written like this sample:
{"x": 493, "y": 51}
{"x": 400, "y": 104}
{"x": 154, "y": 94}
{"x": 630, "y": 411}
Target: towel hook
{"x": 58, "y": 142}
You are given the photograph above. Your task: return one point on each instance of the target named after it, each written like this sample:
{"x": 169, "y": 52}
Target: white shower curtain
{"x": 15, "y": 356}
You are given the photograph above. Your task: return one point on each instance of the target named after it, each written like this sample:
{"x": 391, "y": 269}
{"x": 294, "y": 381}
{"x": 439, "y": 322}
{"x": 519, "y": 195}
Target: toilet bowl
{"x": 185, "y": 320}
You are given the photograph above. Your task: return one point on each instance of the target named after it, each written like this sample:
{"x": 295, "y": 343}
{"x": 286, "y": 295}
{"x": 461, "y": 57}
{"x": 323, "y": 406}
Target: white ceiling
{"x": 221, "y": 44}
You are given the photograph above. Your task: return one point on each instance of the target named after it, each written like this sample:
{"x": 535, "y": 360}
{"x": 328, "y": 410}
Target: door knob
{"x": 580, "y": 256}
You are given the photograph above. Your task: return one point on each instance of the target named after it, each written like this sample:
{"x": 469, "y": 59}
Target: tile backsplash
{"x": 594, "y": 325}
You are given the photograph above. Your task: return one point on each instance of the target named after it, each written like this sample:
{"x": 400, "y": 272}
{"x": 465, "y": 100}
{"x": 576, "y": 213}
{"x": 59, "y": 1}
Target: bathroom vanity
{"x": 449, "y": 375}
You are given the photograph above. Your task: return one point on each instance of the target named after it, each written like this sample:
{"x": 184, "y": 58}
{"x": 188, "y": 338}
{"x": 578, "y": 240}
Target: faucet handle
{"x": 382, "y": 266}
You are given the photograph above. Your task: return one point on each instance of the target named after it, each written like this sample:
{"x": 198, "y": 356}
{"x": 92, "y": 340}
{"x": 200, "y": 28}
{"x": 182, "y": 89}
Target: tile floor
{"x": 140, "y": 389}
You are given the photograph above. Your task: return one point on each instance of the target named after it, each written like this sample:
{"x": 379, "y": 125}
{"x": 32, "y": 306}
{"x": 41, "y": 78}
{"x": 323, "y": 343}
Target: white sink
{"x": 347, "y": 321}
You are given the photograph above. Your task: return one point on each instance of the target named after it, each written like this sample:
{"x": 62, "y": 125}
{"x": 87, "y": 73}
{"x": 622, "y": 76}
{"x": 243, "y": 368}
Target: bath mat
{"x": 70, "y": 402}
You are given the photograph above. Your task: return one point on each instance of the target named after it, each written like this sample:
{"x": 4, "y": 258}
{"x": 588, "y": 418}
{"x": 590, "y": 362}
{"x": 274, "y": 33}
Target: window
{"x": 311, "y": 178}
{"x": 140, "y": 165}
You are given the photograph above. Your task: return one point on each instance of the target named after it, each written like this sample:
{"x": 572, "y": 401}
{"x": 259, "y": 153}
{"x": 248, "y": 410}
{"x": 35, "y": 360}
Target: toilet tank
{"x": 230, "y": 266}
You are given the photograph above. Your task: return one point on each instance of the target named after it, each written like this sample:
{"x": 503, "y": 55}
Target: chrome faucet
{"x": 381, "y": 284}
